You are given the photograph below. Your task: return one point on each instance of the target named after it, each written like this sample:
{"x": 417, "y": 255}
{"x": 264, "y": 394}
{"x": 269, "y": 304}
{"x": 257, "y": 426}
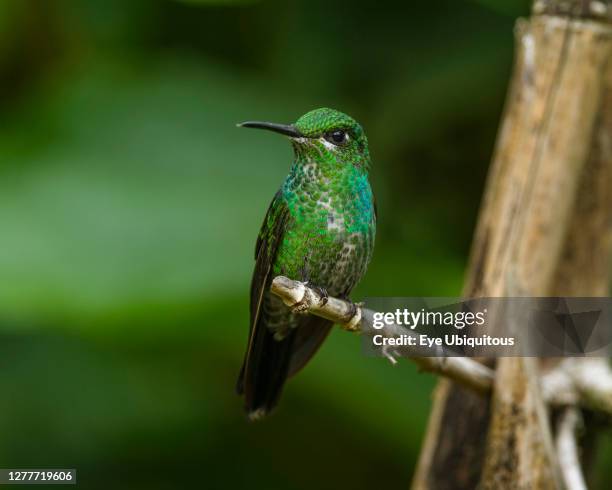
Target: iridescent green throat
{"x": 328, "y": 192}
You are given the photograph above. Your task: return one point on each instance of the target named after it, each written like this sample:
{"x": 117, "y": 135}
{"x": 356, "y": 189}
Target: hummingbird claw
{"x": 322, "y": 292}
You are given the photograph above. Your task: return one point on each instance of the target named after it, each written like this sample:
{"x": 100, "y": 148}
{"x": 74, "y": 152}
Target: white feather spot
{"x": 335, "y": 222}
{"x": 327, "y": 144}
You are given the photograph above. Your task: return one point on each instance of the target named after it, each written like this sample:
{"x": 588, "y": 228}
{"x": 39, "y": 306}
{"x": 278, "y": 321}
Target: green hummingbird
{"x": 319, "y": 229}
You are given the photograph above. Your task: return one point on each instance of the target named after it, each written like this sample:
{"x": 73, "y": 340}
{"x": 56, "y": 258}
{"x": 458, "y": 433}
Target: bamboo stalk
{"x": 553, "y": 111}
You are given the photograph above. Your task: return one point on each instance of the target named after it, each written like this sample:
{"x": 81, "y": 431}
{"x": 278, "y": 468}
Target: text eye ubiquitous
{"x": 338, "y": 137}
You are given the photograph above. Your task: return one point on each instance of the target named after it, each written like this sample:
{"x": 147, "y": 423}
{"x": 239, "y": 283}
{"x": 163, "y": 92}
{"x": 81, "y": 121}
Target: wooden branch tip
{"x": 291, "y": 292}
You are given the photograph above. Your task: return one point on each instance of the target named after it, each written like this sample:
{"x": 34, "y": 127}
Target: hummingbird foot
{"x": 322, "y": 292}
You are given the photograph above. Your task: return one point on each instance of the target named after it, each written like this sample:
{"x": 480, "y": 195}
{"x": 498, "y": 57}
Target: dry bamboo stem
{"x": 553, "y": 109}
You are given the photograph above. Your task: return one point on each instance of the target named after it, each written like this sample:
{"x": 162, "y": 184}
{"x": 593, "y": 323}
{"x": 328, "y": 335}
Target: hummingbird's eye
{"x": 338, "y": 137}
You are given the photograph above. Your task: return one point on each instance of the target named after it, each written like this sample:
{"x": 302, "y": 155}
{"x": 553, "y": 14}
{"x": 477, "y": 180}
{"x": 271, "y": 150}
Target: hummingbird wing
{"x": 266, "y": 362}
{"x": 309, "y": 336}
{"x": 266, "y": 248}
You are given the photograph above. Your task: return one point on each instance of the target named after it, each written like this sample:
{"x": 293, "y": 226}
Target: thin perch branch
{"x": 355, "y": 318}
{"x": 585, "y": 382}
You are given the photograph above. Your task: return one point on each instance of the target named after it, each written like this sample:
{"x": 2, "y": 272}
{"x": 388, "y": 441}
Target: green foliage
{"x": 508, "y": 7}
{"x": 206, "y": 3}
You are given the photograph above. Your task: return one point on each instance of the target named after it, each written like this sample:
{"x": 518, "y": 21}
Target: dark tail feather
{"x": 309, "y": 336}
{"x": 264, "y": 371}
{"x": 268, "y": 362}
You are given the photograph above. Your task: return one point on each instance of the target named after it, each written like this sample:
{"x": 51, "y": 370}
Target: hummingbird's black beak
{"x": 286, "y": 129}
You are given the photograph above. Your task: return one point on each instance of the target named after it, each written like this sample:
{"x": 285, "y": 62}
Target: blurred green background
{"x": 130, "y": 203}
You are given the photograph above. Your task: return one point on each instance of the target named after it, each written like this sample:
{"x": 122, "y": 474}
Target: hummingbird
{"x": 319, "y": 229}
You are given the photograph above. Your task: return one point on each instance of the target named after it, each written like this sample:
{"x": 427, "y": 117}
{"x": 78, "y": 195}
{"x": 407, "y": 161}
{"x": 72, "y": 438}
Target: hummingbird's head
{"x": 325, "y": 136}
